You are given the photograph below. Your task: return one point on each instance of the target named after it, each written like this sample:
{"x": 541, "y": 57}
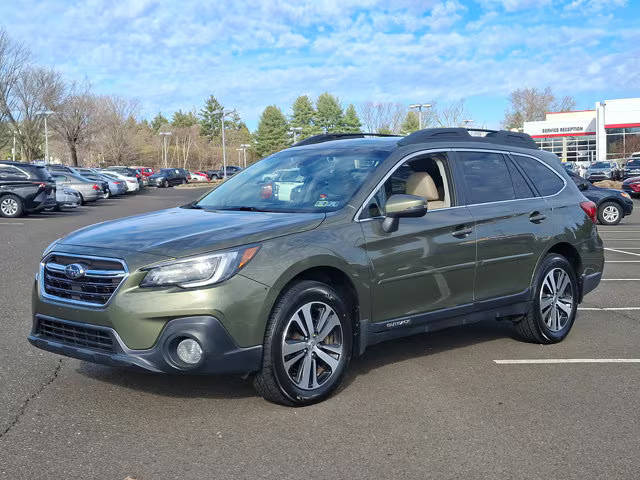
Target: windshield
{"x": 601, "y": 165}
{"x": 298, "y": 180}
{"x": 633, "y": 163}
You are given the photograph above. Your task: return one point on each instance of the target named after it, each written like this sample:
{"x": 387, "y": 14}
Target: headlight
{"x": 199, "y": 271}
{"x": 50, "y": 247}
{"x": 625, "y": 195}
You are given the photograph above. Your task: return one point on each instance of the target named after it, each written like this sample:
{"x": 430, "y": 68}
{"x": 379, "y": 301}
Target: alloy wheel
{"x": 610, "y": 214}
{"x": 556, "y": 299}
{"x": 9, "y": 207}
{"x": 312, "y": 345}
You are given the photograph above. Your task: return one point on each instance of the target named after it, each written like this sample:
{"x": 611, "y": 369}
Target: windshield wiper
{"x": 193, "y": 206}
{"x": 245, "y": 209}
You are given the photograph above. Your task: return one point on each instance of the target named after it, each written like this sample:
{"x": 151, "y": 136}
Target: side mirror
{"x": 398, "y": 206}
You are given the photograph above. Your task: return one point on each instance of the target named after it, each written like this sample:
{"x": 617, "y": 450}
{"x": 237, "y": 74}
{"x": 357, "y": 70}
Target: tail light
{"x": 591, "y": 210}
{"x": 137, "y": 175}
{"x": 635, "y": 187}
{"x": 96, "y": 187}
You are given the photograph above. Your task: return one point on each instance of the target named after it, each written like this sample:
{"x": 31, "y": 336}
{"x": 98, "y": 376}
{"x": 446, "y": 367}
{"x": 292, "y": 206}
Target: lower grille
{"x": 74, "y": 334}
{"x": 85, "y": 280}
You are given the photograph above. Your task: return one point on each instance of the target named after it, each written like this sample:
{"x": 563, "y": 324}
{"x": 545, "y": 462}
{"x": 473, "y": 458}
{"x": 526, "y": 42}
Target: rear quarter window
{"x": 545, "y": 180}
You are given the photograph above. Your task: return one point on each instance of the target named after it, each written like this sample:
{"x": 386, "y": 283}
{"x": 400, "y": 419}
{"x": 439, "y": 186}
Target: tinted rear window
{"x": 545, "y": 180}
{"x": 487, "y": 177}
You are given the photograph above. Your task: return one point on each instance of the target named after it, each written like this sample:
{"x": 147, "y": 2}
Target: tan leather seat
{"x": 422, "y": 185}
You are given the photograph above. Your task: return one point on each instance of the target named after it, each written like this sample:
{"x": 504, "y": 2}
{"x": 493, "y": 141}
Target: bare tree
{"x": 75, "y": 118}
{"x": 36, "y": 89}
{"x": 116, "y": 120}
{"x": 529, "y": 104}
{"x": 382, "y": 117}
{"x": 450, "y": 115}
{"x": 13, "y": 59}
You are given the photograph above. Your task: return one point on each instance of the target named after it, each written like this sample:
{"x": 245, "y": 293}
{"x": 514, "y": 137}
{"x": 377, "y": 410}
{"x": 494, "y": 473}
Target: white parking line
{"x": 622, "y": 251}
{"x": 11, "y": 223}
{"x": 608, "y": 309}
{"x": 568, "y": 360}
{"x": 620, "y": 239}
{"x": 620, "y": 280}
{"x": 622, "y": 261}
{"x": 617, "y": 231}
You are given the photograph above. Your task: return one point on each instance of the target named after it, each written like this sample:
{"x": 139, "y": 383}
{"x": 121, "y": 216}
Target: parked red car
{"x": 146, "y": 171}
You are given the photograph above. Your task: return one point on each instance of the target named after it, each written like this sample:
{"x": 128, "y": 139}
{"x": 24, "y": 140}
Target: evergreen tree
{"x": 272, "y": 133}
{"x": 303, "y": 117}
{"x": 181, "y": 119}
{"x": 158, "y": 122}
{"x": 210, "y": 117}
{"x": 411, "y": 123}
{"x": 385, "y": 130}
{"x": 351, "y": 122}
{"x": 328, "y": 114}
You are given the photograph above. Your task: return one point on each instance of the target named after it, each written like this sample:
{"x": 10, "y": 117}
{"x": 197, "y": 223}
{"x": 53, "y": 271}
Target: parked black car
{"x": 613, "y": 205}
{"x": 167, "y": 177}
{"x": 632, "y": 168}
{"x": 25, "y": 188}
{"x": 218, "y": 174}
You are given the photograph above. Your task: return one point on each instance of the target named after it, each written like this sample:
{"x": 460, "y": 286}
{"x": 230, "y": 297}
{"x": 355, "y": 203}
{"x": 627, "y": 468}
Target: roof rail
{"x": 327, "y": 137}
{"x": 502, "y": 137}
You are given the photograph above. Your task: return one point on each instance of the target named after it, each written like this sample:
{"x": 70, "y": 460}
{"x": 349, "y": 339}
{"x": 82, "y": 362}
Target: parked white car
{"x": 131, "y": 182}
{"x": 198, "y": 177}
{"x": 581, "y": 167}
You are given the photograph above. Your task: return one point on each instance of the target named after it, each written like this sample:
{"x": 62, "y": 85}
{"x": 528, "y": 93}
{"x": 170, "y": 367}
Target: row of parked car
{"x": 606, "y": 170}
{"x": 29, "y": 188}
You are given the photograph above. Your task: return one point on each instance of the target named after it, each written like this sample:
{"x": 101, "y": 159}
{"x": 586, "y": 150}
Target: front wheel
{"x": 106, "y": 194}
{"x": 307, "y": 346}
{"x": 11, "y": 206}
{"x": 554, "y": 304}
{"x": 609, "y": 213}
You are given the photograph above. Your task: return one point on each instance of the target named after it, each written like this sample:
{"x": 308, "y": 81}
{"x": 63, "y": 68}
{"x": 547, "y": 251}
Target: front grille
{"x": 101, "y": 278}
{"x": 75, "y": 335}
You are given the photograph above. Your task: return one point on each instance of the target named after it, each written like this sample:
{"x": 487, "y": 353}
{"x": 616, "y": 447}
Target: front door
{"x": 428, "y": 264}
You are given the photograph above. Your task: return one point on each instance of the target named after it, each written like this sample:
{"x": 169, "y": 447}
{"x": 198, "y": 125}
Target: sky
{"x": 172, "y": 55}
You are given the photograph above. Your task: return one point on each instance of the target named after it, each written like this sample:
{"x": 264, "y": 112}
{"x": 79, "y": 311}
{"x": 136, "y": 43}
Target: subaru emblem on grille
{"x": 75, "y": 270}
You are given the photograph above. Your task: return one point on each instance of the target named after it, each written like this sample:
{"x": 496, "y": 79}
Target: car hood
{"x": 599, "y": 170}
{"x": 180, "y": 232}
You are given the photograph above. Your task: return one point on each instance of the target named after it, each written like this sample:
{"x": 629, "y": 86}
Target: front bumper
{"x": 221, "y": 355}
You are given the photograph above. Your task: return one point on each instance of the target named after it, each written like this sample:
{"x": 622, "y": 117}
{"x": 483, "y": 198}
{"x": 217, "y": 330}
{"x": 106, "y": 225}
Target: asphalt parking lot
{"x": 431, "y": 406}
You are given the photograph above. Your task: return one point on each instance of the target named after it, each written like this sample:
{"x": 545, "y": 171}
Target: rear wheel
{"x": 82, "y": 202}
{"x": 106, "y": 194}
{"x": 11, "y": 206}
{"x": 165, "y": 183}
{"x": 307, "y": 346}
{"x": 555, "y": 302}
{"x": 609, "y": 213}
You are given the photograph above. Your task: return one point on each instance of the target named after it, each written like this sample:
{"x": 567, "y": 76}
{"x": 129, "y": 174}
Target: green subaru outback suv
{"x": 298, "y": 263}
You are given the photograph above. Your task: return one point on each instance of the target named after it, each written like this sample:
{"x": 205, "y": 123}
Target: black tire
{"x": 609, "y": 217}
{"x": 183, "y": 181}
{"x": 532, "y": 327}
{"x": 11, "y": 206}
{"x": 82, "y": 202}
{"x": 165, "y": 183}
{"x": 272, "y": 381}
{"x": 106, "y": 195}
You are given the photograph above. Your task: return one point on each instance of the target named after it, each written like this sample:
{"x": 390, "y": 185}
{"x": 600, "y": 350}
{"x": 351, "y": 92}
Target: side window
{"x": 520, "y": 185}
{"x": 424, "y": 176}
{"x": 542, "y": 177}
{"x": 9, "y": 172}
{"x": 487, "y": 177}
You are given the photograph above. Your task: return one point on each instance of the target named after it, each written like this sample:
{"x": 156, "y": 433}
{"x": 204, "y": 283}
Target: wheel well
{"x": 342, "y": 283}
{"x": 569, "y": 252}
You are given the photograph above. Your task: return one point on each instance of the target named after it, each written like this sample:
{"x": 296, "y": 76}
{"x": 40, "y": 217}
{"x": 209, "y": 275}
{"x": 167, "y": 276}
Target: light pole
{"x": 224, "y": 113}
{"x": 244, "y": 147}
{"x": 46, "y": 113}
{"x": 419, "y": 107}
{"x": 13, "y": 150}
{"x": 239, "y": 150}
{"x": 295, "y": 131}
{"x": 164, "y": 147}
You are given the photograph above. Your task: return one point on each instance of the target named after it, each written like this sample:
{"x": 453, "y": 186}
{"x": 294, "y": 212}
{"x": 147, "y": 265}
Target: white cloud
{"x": 291, "y": 40}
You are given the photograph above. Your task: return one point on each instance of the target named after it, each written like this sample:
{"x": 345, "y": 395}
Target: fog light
{"x": 189, "y": 351}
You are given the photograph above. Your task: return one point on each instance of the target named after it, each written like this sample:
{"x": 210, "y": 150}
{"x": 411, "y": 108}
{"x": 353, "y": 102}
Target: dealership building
{"x": 609, "y": 132}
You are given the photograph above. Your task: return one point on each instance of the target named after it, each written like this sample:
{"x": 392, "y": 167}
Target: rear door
{"x": 513, "y": 223}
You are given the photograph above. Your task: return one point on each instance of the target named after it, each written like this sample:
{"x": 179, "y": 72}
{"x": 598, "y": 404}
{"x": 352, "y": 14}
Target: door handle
{"x": 462, "y": 232}
{"x": 537, "y": 217}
